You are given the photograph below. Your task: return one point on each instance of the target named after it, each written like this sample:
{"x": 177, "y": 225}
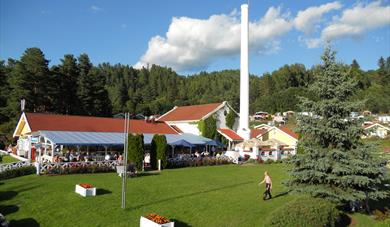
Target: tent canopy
{"x": 183, "y": 143}
{"x": 114, "y": 138}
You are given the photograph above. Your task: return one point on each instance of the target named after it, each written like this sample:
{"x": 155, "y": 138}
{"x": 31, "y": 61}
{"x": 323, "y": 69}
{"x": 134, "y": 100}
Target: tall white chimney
{"x": 243, "y": 129}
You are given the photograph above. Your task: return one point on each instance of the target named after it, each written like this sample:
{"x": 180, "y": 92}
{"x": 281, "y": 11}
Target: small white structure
{"x": 85, "y": 191}
{"x": 144, "y": 222}
{"x": 384, "y": 119}
{"x": 376, "y": 130}
{"x": 270, "y": 149}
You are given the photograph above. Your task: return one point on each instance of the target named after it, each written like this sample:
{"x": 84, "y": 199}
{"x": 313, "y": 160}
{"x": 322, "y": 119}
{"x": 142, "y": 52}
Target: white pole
{"x": 243, "y": 130}
{"x": 159, "y": 165}
{"x": 125, "y": 147}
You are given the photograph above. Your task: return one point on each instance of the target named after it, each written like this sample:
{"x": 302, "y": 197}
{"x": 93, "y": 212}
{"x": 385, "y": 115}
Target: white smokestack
{"x": 243, "y": 129}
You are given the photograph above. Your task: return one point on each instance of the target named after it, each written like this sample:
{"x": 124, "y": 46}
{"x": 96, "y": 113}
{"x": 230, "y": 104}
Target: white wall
{"x": 187, "y": 127}
{"x": 221, "y": 118}
{"x": 192, "y": 127}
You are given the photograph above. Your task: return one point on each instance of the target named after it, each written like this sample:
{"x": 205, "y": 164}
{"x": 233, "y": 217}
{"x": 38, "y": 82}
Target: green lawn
{"x": 202, "y": 196}
{"x": 8, "y": 159}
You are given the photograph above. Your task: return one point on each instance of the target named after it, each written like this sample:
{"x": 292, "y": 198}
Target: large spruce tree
{"x": 335, "y": 164}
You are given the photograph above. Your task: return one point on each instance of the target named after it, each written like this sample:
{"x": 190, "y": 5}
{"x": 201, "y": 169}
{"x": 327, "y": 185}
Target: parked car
{"x": 260, "y": 115}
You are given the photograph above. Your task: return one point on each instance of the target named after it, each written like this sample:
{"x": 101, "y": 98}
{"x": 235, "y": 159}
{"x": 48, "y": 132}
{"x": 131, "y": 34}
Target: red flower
{"x": 158, "y": 219}
{"x": 84, "y": 185}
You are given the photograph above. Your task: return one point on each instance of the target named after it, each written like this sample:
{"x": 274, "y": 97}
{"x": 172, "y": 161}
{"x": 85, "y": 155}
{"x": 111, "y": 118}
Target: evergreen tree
{"x": 136, "y": 150}
{"x": 67, "y": 83}
{"x": 162, "y": 150}
{"x": 335, "y": 163}
{"x": 30, "y": 79}
{"x": 4, "y": 92}
{"x": 153, "y": 151}
{"x": 381, "y": 65}
{"x": 355, "y": 64}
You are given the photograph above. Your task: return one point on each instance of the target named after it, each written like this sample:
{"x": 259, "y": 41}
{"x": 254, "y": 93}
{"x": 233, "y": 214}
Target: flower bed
{"x": 85, "y": 190}
{"x": 155, "y": 220}
{"x": 193, "y": 162}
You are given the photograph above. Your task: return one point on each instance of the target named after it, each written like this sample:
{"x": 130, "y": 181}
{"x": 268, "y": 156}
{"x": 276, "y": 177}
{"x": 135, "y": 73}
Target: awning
{"x": 113, "y": 138}
{"x": 183, "y": 143}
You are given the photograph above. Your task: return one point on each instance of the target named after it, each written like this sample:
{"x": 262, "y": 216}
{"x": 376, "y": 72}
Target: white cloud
{"x": 355, "y": 21}
{"x": 306, "y": 20}
{"x": 95, "y": 8}
{"x": 310, "y": 42}
{"x": 192, "y": 44}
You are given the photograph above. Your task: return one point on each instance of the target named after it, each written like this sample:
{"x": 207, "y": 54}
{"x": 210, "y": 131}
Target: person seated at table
{"x": 85, "y": 158}
{"x": 120, "y": 159}
{"x": 107, "y": 157}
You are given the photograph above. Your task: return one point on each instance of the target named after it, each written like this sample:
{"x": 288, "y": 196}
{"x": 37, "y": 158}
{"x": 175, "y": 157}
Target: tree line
{"x": 76, "y": 86}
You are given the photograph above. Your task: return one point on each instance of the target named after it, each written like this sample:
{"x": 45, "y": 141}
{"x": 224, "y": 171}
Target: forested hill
{"x": 76, "y": 86}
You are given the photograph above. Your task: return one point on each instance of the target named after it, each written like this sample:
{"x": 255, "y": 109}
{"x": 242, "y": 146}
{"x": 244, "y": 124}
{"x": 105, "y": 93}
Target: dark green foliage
{"x": 136, "y": 150}
{"x": 208, "y": 127}
{"x": 305, "y": 212}
{"x": 335, "y": 163}
{"x": 92, "y": 93}
{"x": 67, "y": 80}
{"x": 161, "y": 148}
{"x": 79, "y": 87}
{"x": 22, "y": 171}
{"x": 230, "y": 119}
{"x": 30, "y": 79}
{"x": 158, "y": 151}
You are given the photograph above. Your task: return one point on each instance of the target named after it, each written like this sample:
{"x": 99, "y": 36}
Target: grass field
{"x": 202, "y": 196}
{"x": 8, "y": 159}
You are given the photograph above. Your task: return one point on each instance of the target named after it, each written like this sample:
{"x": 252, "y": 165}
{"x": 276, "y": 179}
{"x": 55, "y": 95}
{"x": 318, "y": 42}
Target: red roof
{"x": 52, "y": 122}
{"x": 177, "y": 129}
{"x": 232, "y": 135}
{"x": 258, "y": 132}
{"x": 288, "y": 131}
{"x": 189, "y": 113}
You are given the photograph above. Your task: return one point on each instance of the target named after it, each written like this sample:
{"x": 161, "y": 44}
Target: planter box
{"x": 85, "y": 191}
{"x": 144, "y": 222}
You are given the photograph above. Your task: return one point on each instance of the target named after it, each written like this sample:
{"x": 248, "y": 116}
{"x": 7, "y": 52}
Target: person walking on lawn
{"x": 268, "y": 186}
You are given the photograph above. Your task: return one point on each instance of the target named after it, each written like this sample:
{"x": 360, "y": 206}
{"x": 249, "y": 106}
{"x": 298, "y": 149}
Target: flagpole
{"x": 125, "y": 147}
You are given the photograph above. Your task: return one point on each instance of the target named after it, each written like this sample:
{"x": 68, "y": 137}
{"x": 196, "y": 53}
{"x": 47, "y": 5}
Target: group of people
{"x": 71, "y": 156}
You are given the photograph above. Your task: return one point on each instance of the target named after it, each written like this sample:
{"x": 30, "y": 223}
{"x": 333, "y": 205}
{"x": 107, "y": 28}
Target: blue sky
{"x": 190, "y": 35}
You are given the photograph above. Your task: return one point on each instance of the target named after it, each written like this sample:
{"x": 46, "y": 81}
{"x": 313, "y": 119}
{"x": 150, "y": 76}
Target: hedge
{"x": 11, "y": 173}
{"x": 305, "y": 211}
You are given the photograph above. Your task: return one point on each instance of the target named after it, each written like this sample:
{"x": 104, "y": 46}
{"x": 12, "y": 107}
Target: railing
{"x": 46, "y": 167}
{"x": 14, "y": 165}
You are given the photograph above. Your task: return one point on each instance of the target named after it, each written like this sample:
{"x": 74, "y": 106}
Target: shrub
{"x": 269, "y": 161}
{"x": 11, "y": 173}
{"x": 161, "y": 150}
{"x": 305, "y": 211}
{"x": 136, "y": 150}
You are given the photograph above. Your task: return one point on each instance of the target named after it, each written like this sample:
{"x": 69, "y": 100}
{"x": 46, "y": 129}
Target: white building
{"x": 376, "y": 130}
{"x": 185, "y": 119}
{"x": 384, "y": 119}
